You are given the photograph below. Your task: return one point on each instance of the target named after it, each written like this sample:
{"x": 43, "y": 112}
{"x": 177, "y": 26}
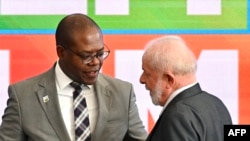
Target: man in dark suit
{"x": 41, "y": 109}
{"x": 189, "y": 113}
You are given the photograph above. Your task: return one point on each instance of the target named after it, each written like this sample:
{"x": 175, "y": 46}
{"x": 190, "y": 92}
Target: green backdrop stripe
{"x": 158, "y": 14}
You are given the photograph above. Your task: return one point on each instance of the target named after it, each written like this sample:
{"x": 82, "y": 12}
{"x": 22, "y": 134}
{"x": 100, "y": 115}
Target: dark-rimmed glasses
{"x": 101, "y": 55}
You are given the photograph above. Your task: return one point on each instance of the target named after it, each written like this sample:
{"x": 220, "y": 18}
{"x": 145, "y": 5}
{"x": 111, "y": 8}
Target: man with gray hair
{"x": 189, "y": 113}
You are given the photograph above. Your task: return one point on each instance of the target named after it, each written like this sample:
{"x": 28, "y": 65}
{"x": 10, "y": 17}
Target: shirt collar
{"x": 175, "y": 93}
{"x": 61, "y": 78}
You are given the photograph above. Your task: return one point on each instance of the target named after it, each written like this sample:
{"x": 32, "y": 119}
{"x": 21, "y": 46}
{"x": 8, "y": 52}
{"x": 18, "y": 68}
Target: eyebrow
{"x": 90, "y": 52}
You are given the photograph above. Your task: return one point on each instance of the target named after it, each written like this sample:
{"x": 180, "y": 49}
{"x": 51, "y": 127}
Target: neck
{"x": 184, "y": 80}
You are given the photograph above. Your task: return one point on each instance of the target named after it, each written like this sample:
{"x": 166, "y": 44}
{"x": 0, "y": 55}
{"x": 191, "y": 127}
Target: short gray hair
{"x": 170, "y": 53}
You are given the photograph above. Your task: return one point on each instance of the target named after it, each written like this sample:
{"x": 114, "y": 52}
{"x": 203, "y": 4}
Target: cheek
{"x": 151, "y": 84}
{"x": 101, "y": 63}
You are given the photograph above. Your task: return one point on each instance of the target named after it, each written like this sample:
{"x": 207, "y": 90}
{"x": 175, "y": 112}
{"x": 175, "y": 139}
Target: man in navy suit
{"x": 189, "y": 113}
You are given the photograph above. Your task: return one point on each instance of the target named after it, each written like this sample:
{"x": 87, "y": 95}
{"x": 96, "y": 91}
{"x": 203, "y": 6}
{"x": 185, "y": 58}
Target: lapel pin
{"x": 46, "y": 99}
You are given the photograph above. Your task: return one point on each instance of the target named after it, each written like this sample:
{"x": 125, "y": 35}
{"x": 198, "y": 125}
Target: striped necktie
{"x": 82, "y": 129}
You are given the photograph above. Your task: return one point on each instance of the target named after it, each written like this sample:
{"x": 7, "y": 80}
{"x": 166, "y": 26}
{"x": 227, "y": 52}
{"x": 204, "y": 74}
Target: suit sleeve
{"x": 136, "y": 130}
{"x": 10, "y": 128}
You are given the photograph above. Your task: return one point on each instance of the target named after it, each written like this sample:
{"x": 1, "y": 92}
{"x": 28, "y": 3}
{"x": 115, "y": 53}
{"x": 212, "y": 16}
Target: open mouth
{"x": 92, "y": 73}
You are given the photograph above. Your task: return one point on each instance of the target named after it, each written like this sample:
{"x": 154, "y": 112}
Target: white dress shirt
{"x": 65, "y": 95}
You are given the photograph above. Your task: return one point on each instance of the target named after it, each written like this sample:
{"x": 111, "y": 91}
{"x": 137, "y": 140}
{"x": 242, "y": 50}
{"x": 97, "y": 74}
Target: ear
{"x": 60, "y": 50}
{"x": 169, "y": 78}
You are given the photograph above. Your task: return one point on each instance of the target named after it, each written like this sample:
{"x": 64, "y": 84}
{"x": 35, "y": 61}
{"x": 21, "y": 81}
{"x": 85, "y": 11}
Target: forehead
{"x": 146, "y": 65}
{"x": 88, "y": 40}
{"x": 148, "y": 69}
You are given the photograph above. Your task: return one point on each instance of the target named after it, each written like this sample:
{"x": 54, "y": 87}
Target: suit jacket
{"x": 193, "y": 115}
{"x": 28, "y": 118}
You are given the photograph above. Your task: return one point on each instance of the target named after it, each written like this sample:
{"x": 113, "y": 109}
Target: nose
{"x": 95, "y": 60}
{"x": 142, "y": 80}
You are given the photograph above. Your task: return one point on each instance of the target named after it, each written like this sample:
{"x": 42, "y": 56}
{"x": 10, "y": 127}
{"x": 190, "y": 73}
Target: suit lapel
{"x": 49, "y": 101}
{"x": 104, "y": 97}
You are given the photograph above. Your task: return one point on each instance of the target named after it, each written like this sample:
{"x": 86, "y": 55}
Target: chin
{"x": 155, "y": 100}
{"x": 91, "y": 82}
